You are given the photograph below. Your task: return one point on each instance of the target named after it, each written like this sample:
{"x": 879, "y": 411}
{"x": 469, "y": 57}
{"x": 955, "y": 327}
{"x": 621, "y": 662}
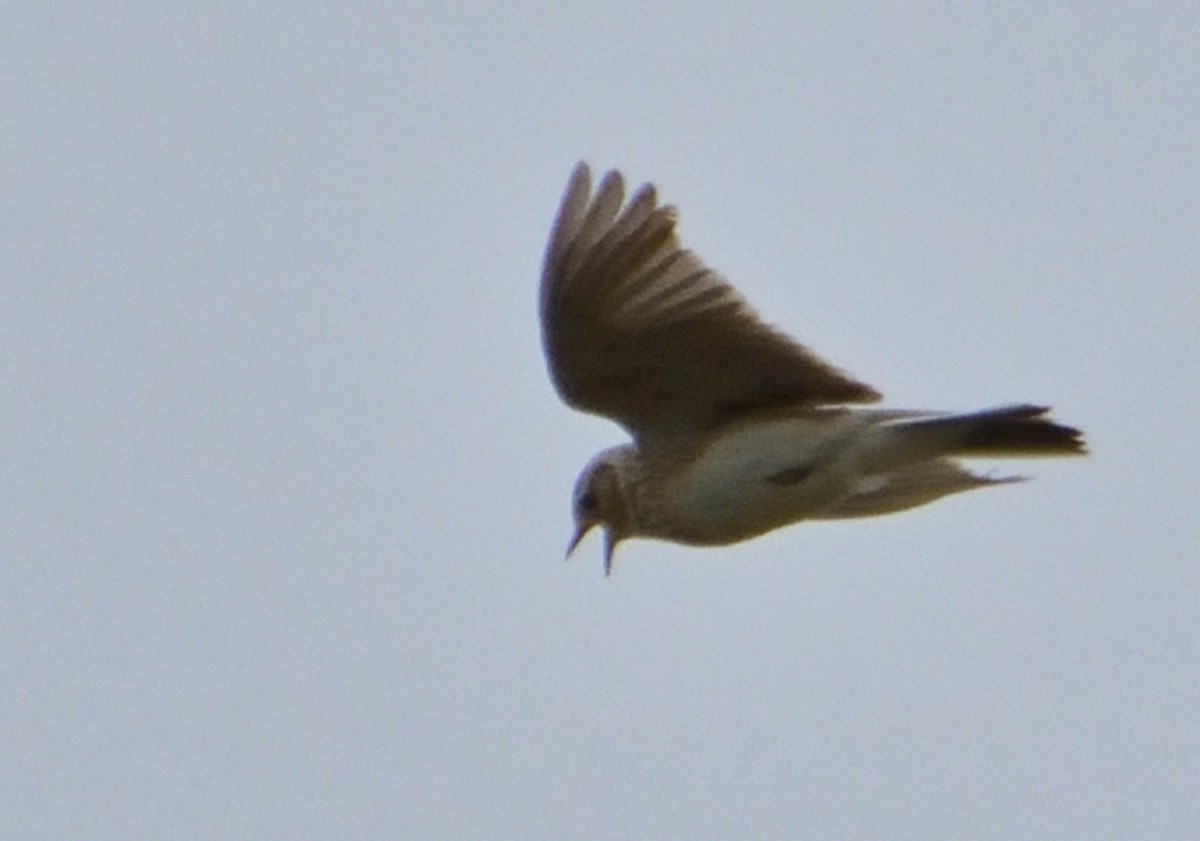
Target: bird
{"x": 737, "y": 429}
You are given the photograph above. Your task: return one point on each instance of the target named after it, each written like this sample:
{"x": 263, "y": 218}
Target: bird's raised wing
{"x": 638, "y": 329}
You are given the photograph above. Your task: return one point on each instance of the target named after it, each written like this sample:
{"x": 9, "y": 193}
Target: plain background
{"x": 285, "y": 488}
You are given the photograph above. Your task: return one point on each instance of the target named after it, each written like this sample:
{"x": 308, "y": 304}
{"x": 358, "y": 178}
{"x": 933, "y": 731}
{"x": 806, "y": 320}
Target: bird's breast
{"x": 758, "y": 476}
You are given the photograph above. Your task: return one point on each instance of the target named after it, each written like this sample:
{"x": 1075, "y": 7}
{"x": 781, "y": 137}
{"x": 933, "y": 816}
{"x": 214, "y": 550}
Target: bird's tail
{"x": 1009, "y": 432}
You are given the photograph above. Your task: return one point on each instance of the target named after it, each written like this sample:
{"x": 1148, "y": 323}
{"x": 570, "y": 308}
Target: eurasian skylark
{"x": 737, "y": 429}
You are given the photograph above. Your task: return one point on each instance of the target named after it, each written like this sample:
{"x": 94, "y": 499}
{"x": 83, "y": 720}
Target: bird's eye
{"x": 588, "y": 503}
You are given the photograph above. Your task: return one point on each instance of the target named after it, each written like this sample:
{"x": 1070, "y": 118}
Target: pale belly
{"x": 763, "y": 476}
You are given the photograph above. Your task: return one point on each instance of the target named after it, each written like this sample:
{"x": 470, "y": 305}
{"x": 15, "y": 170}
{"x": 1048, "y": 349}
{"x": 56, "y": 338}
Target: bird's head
{"x": 601, "y": 499}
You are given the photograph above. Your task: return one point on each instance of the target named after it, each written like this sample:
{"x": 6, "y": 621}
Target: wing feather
{"x": 640, "y": 330}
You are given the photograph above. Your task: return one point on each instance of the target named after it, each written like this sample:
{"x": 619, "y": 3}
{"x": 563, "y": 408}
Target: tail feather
{"x": 1011, "y": 431}
{"x": 911, "y": 461}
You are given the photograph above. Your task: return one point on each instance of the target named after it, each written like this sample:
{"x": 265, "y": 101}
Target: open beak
{"x": 610, "y": 543}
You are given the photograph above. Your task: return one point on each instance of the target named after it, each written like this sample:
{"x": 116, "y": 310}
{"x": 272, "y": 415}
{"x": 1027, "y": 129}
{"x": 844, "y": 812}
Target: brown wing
{"x": 639, "y": 330}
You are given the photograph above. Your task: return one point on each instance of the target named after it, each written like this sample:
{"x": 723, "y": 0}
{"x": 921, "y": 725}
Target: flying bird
{"x": 737, "y": 429}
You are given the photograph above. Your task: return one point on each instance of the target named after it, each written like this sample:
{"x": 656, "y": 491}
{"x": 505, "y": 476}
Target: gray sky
{"x": 286, "y": 489}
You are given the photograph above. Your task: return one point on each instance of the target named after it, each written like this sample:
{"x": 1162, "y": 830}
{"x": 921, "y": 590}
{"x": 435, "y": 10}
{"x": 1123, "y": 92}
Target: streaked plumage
{"x": 737, "y": 429}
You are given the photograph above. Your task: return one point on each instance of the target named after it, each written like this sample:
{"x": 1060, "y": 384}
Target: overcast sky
{"x": 285, "y": 488}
